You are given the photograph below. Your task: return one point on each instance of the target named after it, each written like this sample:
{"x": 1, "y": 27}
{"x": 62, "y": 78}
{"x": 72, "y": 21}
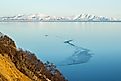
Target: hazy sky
{"x": 61, "y": 7}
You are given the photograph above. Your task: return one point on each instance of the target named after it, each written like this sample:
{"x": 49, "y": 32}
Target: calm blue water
{"x": 47, "y": 41}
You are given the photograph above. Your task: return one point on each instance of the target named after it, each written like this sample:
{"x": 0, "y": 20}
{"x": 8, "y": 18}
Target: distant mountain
{"x": 19, "y": 65}
{"x": 1, "y": 34}
{"x": 47, "y": 18}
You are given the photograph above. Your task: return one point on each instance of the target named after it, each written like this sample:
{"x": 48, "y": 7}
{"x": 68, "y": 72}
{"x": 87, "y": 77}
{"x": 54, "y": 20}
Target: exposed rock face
{"x": 27, "y": 63}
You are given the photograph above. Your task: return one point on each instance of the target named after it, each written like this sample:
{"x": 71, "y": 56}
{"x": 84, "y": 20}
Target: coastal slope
{"x": 17, "y": 64}
{"x": 8, "y": 71}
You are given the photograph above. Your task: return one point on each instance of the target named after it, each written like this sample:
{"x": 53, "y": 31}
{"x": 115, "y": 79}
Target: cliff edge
{"x": 21, "y": 65}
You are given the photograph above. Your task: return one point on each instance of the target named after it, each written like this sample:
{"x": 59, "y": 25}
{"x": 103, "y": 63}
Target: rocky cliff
{"x": 21, "y": 65}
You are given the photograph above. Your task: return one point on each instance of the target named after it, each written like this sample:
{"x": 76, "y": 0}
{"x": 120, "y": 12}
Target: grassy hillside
{"x": 8, "y": 71}
{"x": 22, "y": 65}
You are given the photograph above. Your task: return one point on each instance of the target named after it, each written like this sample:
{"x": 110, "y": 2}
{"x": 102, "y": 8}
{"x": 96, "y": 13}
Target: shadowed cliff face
{"x": 27, "y": 63}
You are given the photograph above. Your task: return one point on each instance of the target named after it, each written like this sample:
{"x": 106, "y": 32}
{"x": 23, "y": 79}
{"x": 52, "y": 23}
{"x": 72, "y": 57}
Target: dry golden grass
{"x": 9, "y": 71}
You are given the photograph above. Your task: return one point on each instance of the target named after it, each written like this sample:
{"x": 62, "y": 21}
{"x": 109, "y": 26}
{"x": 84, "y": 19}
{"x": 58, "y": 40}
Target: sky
{"x": 110, "y": 8}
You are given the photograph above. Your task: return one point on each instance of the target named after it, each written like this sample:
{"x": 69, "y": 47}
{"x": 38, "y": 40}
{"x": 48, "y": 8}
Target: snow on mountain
{"x": 87, "y": 17}
{"x": 47, "y": 18}
{"x": 1, "y": 34}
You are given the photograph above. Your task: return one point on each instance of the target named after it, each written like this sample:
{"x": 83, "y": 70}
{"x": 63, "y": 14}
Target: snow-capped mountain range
{"x": 47, "y": 18}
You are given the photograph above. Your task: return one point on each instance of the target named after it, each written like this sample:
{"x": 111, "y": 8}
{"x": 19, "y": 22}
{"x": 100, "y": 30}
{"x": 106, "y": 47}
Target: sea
{"x": 82, "y": 51}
